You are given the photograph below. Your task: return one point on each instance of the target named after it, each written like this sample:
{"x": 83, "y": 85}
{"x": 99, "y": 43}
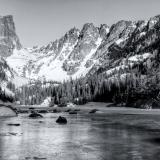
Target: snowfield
{"x": 33, "y": 65}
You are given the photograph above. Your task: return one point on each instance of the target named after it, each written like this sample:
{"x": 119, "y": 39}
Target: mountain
{"x": 9, "y": 42}
{"x": 120, "y": 62}
{"x": 83, "y": 52}
{"x": 8, "y": 38}
{"x": 61, "y": 59}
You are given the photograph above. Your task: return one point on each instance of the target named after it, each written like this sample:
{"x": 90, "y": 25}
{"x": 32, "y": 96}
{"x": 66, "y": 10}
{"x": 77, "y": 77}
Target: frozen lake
{"x": 85, "y": 137}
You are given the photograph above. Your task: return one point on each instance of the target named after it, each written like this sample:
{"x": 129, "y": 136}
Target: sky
{"x": 40, "y": 21}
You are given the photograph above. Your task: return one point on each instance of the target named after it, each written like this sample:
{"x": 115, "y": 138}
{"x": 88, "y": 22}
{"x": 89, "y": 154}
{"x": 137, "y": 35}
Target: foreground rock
{"x": 35, "y": 115}
{"x": 61, "y": 120}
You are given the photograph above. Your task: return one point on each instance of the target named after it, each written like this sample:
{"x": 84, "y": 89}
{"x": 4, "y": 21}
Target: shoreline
{"x": 100, "y": 106}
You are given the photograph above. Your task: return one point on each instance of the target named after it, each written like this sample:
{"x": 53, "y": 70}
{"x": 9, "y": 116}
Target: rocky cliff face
{"x": 6, "y": 76}
{"x": 85, "y": 52}
{"x": 8, "y": 38}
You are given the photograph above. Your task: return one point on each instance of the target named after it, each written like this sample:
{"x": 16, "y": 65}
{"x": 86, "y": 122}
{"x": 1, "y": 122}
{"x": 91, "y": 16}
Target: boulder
{"x": 61, "y": 120}
{"x": 35, "y": 115}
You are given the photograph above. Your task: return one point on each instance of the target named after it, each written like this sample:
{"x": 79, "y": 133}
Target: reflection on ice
{"x": 83, "y": 138}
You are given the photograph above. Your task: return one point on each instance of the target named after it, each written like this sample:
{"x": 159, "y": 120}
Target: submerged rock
{"x": 39, "y": 158}
{"x": 56, "y": 111}
{"x": 93, "y": 111}
{"x": 62, "y": 105}
{"x": 73, "y": 112}
{"x": 68, "y": 110}
{"x": 43, "y": 111}
{"x": 77, "y": 110}
{"x": 61, "y": 120}
{"x": 13, "y": 124}
{"x": 12, "y": 133}
{"x": 31, "y": 108}
{"x": 22, "y": 111}
{"x": 35, "y": 115}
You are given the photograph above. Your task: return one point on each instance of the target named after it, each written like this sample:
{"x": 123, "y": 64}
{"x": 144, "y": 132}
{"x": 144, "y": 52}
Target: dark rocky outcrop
{"x": 61, "y": 120}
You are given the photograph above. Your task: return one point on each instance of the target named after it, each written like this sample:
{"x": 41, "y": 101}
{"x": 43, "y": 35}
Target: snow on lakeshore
{"x": 46, "y": 102}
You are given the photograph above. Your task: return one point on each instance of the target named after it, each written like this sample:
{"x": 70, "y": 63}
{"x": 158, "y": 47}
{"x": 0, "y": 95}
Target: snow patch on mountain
{"x": 19, "y": 60}
{"x": 4, "y": 88}
{"x": 120, "y": 41}
{"x": 138, "y": 58}
{"x": 82, "y": 69}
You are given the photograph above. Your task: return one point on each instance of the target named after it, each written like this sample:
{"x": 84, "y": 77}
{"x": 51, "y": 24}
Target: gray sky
{"x": 41, "y": 21}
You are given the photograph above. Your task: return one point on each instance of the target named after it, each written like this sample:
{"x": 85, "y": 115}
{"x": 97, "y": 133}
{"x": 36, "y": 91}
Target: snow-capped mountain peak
{"x": 84, "y": 52}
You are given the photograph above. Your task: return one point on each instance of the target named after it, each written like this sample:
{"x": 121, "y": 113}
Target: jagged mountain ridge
{"x": 88, "y": 51}
{"x": 61, "y": 59}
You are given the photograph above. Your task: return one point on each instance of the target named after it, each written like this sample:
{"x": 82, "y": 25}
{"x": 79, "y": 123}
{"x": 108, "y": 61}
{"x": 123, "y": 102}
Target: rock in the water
{"x": 13, "y": 124}
{"x": 43, "y": 111}
{"x": 39, "y": 158}
{"x": 77, "y": 110}
{"x": 93, "y": 111}
{"x": 56, "y": 111}
{"x": 73, "y": 112}
{"x": 31, "y": 108}
{"x": 35, "y": 115}
{"x": 62, "y": 105}
{"x": 23, "y": 111}
{"x": 61, "y": 120}
{"x": 68, "y": 110}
